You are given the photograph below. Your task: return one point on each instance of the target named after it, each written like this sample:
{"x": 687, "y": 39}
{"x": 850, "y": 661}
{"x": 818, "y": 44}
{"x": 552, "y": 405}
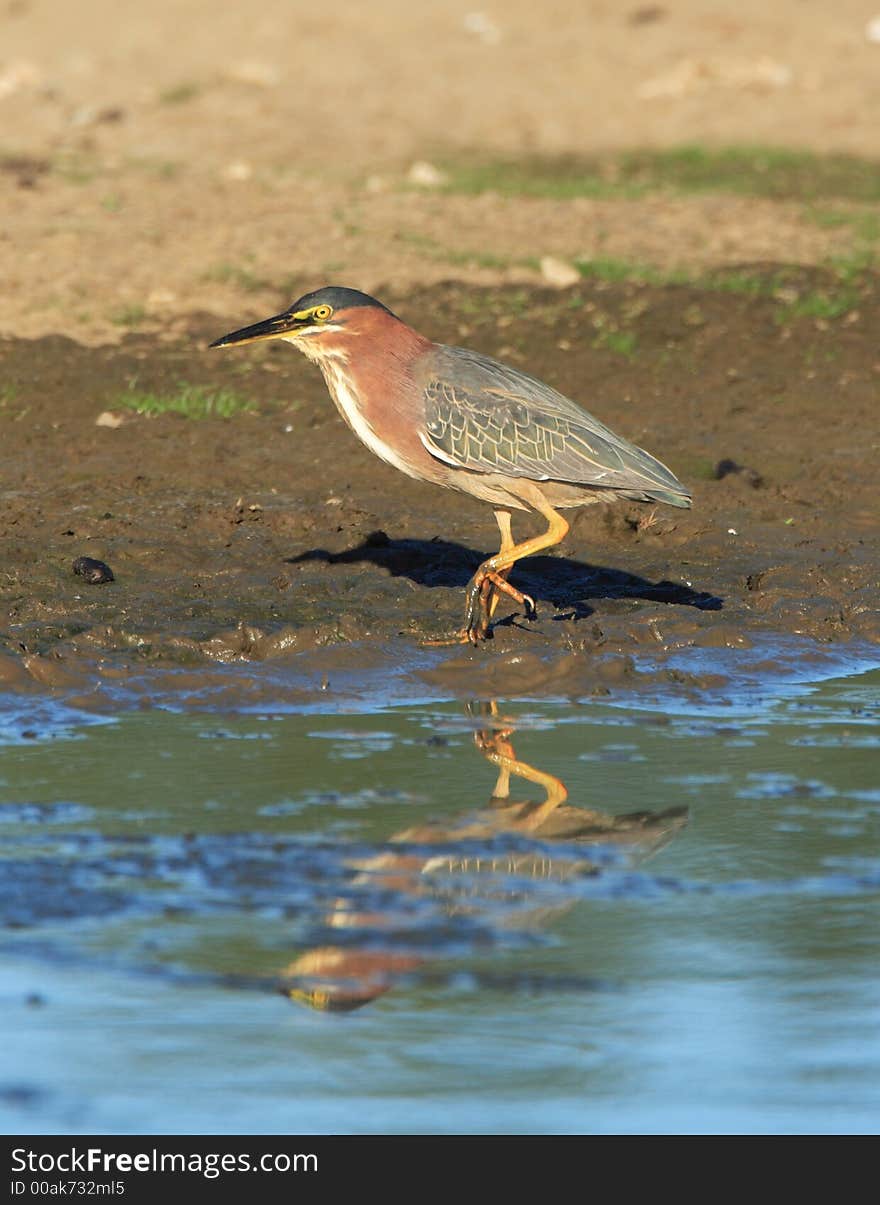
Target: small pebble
{"x": 426, "y": 175}
{"x": 558, "y": 273}
{"x": 95, "y": 572}
{"x": 483, "y": 27}
{"x": 237, "y": 170}
{"x": 107, "y": 418}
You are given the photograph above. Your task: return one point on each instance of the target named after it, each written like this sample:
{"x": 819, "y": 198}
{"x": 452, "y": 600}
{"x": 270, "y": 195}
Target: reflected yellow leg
{"x": 497, "y": 748}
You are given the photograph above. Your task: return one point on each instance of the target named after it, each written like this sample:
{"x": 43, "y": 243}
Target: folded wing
{"x": 487, "y": 417}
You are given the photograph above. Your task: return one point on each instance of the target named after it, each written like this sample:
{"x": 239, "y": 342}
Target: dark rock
{"x": 96, "y": 573}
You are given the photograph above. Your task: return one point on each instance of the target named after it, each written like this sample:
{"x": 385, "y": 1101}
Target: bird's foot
{"x": 461, "y": 637}
{"x": 482, "y": 598}
{"x": 481, "y": 601}
{"x": 477, "y": 616}
{"x": 501, "y": 583}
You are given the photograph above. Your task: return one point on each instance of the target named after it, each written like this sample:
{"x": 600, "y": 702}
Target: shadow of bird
{"x": 568, "y": 584}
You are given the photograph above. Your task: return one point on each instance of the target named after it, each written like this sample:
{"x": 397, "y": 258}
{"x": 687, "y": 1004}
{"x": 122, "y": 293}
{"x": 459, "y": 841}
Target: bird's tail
{"x": 681, "y": 498}
{"x": 670, "y": 497}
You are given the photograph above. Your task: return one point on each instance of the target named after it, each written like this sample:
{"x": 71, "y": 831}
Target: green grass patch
{"x": 558, "y": 179}
{"x": 836, "y": 298}
{"x": 10, "y": 403}
{"x": 748, "y": 284}
{"x": 756, "y": 171}
{"x": 850, "y": 268}
{"x": 483, "y": 259}
{"x": 819, "y": 304}
{"x": 864, "y": 223}
{"x": 721, "y": 280}
{"x": 191, "y": 401}
{"x": 748, "y": 171}
{"x": 622, "y": 343}
{"x": 623, "y": 271}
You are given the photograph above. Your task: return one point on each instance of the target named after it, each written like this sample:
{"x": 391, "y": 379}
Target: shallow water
{"x": 328, "y": 922}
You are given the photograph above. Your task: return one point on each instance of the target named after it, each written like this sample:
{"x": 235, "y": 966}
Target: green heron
{"x": 462, "y": 420}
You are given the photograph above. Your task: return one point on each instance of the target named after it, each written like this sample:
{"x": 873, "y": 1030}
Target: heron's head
{"x": 318, "y": 323}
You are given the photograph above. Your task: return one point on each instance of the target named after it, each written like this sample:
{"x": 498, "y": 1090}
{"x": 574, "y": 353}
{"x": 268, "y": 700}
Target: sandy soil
{"x": 167, "y": 175}
{"x": 198, "y": 157}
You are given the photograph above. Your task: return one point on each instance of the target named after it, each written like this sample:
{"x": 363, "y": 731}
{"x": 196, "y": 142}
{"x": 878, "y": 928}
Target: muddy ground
{"x": 166, "y": 176}
{"x": 265, "y": 534}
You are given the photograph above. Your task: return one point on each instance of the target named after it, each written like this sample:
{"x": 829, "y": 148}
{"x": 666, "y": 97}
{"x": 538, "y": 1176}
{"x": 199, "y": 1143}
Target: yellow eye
{"x": 322, "y": 312}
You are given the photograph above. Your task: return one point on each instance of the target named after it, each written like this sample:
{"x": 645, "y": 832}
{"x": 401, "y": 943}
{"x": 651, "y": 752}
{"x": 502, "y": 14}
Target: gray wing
{"x": 488, "y": 417}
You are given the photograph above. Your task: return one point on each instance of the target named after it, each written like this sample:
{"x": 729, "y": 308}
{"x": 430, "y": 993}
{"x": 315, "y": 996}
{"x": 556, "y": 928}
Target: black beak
{"x": 269, "y": 328}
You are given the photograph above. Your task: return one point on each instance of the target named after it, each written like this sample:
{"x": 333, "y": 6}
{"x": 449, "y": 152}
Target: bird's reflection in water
{"x": 469, "y": 876}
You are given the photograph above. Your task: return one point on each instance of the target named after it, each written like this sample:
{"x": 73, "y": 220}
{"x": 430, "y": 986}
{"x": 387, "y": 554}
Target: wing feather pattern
{"x": 488, "y": 417}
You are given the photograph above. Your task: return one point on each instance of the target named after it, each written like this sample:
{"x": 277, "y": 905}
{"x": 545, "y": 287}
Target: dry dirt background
{"x": 173, "y": 172}
{"x": 192, "y": 156}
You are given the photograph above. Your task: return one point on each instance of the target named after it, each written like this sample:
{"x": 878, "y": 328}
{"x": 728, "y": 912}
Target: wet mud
{"x": 275, "y": 534}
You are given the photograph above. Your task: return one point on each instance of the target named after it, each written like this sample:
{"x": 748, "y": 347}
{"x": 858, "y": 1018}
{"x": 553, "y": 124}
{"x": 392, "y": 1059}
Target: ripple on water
{"x": 45, "y": 813}
{"x": 837, "y": 740}
{"x": 783, "y": 786}
{"x": 354, "y": 745}
{"x": 437, "y": 900}
{"x": 26, "y": 720}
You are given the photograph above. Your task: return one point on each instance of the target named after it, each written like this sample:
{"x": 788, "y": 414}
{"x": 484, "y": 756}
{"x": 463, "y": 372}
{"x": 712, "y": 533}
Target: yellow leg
{"x": 497, "y": 584}
{"x": 478, "y": 611}
{"x": 502, "y": 517}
